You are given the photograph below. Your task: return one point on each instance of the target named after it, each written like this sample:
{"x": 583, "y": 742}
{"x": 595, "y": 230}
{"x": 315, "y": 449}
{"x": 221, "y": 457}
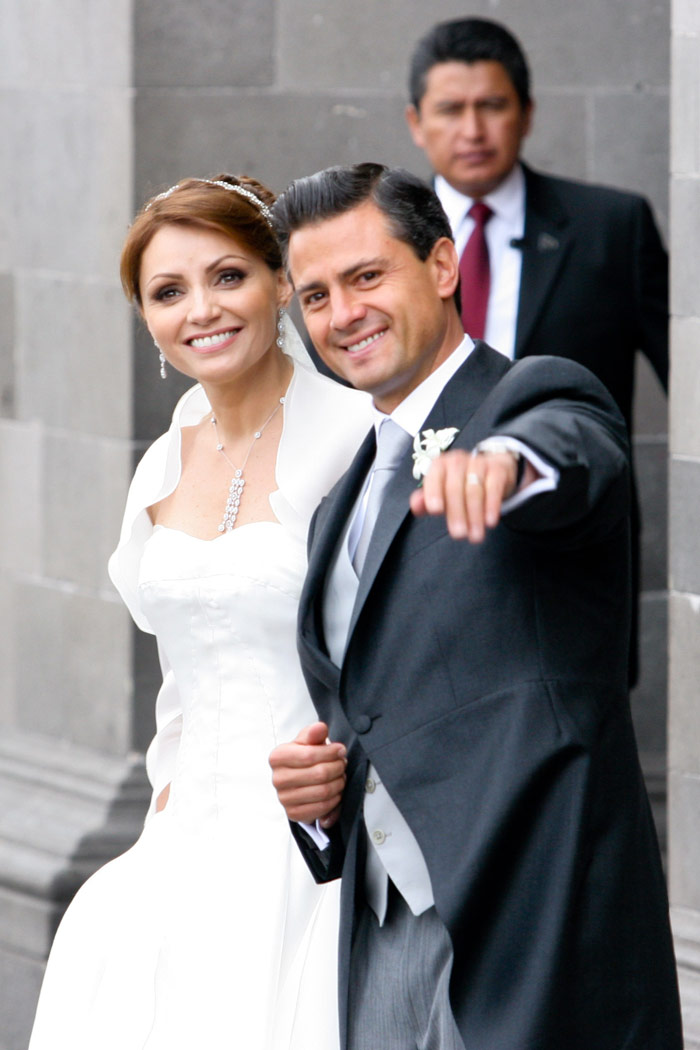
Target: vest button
{"x": 363, "y": 724}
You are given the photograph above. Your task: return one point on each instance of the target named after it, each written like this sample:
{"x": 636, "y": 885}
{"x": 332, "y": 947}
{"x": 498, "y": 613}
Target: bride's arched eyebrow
{"x": 163, "y": 277}
{"x": 224, "y": 258}
{"x": 208, "y": 269}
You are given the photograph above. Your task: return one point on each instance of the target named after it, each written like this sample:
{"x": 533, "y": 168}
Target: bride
{"x": 210, "y": 932}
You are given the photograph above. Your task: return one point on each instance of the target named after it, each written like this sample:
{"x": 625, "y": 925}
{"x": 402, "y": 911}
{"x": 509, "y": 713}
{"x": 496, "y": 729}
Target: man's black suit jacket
{"x": 488, "y": 686}
{"x": 594, "y": 283}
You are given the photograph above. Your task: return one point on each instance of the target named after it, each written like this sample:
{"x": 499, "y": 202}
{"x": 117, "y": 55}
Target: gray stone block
{"x": 686, "y": 939}
{"x": 75, "y": 653}
{"x": 685, "y": 19}
{"x": 684, "y": 657}
{"x": 651, "y": 458}
{"x": 66, "y": 811}
{"x": 206, "y": 44}
{"x": 76, "y": 147}
{"x": 684, "y": 535}
{"x": 7, "y": 346}
{"x": 302, "y": 134}
{"x": 8, "y": 679}
{"x": 649, "y": 698}
{"x": 640, "y": 118}
{"x": 685, "y": 98}
{"x": 650, "y": 409}
{"x": 603, "y": 44}
{"x": 20, "y": 981}
{"x": 8, "y": 176}
{"x": 685, "y": 387}
{"x": 74, "y": 43}
{"x": 73, "y": 354}
{"x": 21, "y": 488}
{"x": 84, "y": 487}
{"x": 366, "y": 46}
{"x": 558, "y": 141}
{"x": 63, "y": 813}
{"x": 685, "y": 223}
{"x": 684, "y": 841}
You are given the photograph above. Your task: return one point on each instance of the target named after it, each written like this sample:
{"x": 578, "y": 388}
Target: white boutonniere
{"x": 427, "y": 446}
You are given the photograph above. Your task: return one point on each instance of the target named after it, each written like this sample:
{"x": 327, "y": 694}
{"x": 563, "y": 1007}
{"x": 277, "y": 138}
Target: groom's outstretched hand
{"x": 309, "y": 776}
{"x": 469, "y": 489}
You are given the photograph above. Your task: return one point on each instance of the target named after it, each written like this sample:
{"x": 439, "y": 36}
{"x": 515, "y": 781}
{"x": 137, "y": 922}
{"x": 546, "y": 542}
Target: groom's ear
{"x": 445, "y": 267}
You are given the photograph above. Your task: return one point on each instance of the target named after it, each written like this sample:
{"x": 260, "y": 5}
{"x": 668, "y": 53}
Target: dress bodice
{"x": 224, "y": 611}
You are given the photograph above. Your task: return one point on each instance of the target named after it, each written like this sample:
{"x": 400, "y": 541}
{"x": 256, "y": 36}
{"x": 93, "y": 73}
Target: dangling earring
{"x": 280, "y": 327}
{"x": 161, "y": 358}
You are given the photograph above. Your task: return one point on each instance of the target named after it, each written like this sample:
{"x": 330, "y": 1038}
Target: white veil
{"x": 293, "y": 344}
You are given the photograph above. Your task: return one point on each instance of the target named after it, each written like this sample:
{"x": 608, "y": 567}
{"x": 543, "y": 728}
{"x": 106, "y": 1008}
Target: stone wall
{"x": 101, "y": 104}
{"x": 69, "y": 791}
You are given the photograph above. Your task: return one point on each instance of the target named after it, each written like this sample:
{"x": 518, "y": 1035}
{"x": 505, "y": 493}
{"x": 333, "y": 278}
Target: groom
{"x": 475, "y": 766}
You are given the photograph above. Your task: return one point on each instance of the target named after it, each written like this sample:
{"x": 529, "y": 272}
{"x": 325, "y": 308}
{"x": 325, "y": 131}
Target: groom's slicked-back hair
{"x": 413, "y": 212}
{"x": 468, "y": 40}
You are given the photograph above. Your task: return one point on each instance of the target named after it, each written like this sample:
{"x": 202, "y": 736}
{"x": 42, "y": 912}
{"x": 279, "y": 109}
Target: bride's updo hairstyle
{"x": 237, "y": 206}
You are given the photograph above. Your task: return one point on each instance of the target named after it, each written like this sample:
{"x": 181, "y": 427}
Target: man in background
{"x": 548, "y": 265}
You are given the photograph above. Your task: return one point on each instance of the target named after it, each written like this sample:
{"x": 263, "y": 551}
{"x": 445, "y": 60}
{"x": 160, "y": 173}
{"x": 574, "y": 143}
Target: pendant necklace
{"x": 238, "y": 481}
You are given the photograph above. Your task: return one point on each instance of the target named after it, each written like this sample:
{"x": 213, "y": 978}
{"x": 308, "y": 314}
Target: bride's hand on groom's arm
{"x": 309, "y": 776}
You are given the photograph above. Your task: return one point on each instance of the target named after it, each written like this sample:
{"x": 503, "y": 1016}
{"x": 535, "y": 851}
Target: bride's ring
{"x": 474, "y": 479}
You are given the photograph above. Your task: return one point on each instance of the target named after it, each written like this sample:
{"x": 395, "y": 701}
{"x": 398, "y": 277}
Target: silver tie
{"x": 392, "y": 443}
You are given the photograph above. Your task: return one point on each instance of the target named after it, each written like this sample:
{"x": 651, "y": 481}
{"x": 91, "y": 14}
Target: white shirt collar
{"x": 507, "y": 200}
{"x": 413, "y": 410}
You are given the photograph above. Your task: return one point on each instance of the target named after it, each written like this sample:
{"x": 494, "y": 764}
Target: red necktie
{"x": 474, "y": 273}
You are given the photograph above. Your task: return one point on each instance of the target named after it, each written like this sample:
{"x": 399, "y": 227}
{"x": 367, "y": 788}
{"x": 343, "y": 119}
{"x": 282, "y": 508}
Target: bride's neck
{"x": 242, "y": 406}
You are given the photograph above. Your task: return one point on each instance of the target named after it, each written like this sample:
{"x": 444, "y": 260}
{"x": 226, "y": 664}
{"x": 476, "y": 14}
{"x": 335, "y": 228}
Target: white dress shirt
{"x": 507, "y": 224}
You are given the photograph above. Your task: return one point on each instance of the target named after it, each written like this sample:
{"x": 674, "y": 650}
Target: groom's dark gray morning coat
{"x": 487, "y": 684}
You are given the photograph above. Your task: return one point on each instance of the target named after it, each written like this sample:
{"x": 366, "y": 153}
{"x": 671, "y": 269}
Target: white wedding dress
{"x": 210, "y": 932}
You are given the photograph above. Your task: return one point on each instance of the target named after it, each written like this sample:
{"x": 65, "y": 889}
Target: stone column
{"x": 684, "y": 723}
{"x": 71, "y": 785}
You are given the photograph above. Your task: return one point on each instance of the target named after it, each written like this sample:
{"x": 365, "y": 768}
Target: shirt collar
{"x": 413, "y": 410}
{"x": 507, "y": 200}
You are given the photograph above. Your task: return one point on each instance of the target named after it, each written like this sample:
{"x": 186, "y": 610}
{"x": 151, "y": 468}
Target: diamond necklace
{"x": 238, "y": 481}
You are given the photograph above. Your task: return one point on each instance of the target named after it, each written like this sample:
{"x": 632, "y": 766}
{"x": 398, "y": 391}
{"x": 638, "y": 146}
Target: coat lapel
{"x": 330, "y": 521}
{"x": 548, "y": 242}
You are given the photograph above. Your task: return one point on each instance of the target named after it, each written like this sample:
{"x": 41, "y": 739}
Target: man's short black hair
{"x": 469, "y": 40}
{"x": 412, "y": 210}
